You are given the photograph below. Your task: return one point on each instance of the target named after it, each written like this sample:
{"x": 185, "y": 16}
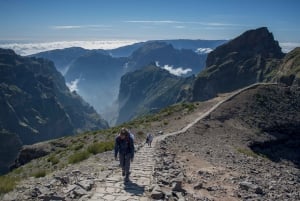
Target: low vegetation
{"x": 7, "y": 183}
{"x": 39, "y": 173}
{"x": 78, "y": 157}
{"x": 100, "y": 147}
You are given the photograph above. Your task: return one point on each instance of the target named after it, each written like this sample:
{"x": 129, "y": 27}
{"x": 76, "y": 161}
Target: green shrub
{"x": 53, "y": 160}
{"x": 39, "y": 173}
{"x": 77, "y": 147}
{"x": 7, "y": 184}
{"x": 100, "y": 147}
{"x": 78, "y": 156}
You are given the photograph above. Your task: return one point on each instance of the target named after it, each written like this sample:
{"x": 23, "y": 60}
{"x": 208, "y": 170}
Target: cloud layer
{"x": 287, "y": 47}
{"x": 32, "y": 48}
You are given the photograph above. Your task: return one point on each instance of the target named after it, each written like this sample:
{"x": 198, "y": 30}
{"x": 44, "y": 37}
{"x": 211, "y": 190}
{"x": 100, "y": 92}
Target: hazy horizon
{"x": 29, "y": 48}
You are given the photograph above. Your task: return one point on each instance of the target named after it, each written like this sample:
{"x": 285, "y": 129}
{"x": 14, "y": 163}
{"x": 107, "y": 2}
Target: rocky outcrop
{"x": 252, "y": 57}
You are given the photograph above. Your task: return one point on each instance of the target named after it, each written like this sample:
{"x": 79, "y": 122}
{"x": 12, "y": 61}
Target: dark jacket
{"x": 125, "y": 146}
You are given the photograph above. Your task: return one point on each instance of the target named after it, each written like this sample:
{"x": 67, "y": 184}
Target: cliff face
{"x": 289, "y": 70}
{"x": 252, "y": 57}
{"x": 149, "y": 89}
{"x": 35, "y": 103}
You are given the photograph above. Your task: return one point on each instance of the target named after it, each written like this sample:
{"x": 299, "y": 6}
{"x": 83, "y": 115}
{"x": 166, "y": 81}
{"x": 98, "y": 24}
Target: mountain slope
{"x": 247, "y": 148}
{"x": 149, "y": 89}
{"x": 252, "y": 57}
{"x": 36, "y": 104}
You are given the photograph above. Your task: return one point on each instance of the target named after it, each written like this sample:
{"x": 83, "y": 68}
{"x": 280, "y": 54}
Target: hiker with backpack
{"x": 149, "y": 139}
{"x": 124, "y": 146}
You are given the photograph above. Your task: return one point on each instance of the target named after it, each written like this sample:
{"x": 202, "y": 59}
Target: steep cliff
{"x": 252, "y": 57}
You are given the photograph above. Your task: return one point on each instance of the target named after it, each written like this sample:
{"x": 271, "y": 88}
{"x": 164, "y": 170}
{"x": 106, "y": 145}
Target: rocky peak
{"x": 253, "y": 42}
{"x": 252, "y": 57}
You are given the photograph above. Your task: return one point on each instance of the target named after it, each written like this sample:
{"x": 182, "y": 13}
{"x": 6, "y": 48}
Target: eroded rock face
{"x": 247, "y": 59}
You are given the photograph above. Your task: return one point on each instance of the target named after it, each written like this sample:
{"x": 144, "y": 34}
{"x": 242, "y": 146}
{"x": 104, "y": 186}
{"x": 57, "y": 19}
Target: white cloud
{"x": 287, "y": 47}
{"x": 176, "y": 71}
{"x": 61, "y": 27}
{"x": 66, "y": 27}
{"x": 32, "y": 48}
{"x": 153, "y": 21}
{"x": 73, "y": 85}
{"x": 203, "y": 50}
{"x": 213, "y": 24}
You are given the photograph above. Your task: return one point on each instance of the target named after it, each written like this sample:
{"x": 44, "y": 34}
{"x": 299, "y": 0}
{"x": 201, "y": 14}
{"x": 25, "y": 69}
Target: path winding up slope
{"x": 114, "y": 188}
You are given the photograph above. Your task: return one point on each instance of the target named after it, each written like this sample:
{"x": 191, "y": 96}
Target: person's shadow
{"x": 134, "y": 188}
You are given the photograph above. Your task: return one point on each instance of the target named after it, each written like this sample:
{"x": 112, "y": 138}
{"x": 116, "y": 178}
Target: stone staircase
{"x": 137, "y": 189}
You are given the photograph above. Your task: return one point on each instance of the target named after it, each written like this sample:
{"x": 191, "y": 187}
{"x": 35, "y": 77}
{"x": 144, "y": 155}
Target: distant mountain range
{"x": 96, "y": 74}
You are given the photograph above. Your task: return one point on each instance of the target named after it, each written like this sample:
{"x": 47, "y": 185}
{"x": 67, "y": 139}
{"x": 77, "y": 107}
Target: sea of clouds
{"x": 25, "y": 49}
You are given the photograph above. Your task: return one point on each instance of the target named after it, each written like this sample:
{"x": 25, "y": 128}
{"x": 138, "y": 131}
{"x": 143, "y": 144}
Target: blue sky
{"x": 66, "y": 20}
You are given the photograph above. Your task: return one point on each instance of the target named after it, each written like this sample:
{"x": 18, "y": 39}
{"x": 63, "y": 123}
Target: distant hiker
{"x": 149, "y": 139}
{"x": 125, "y": 147}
